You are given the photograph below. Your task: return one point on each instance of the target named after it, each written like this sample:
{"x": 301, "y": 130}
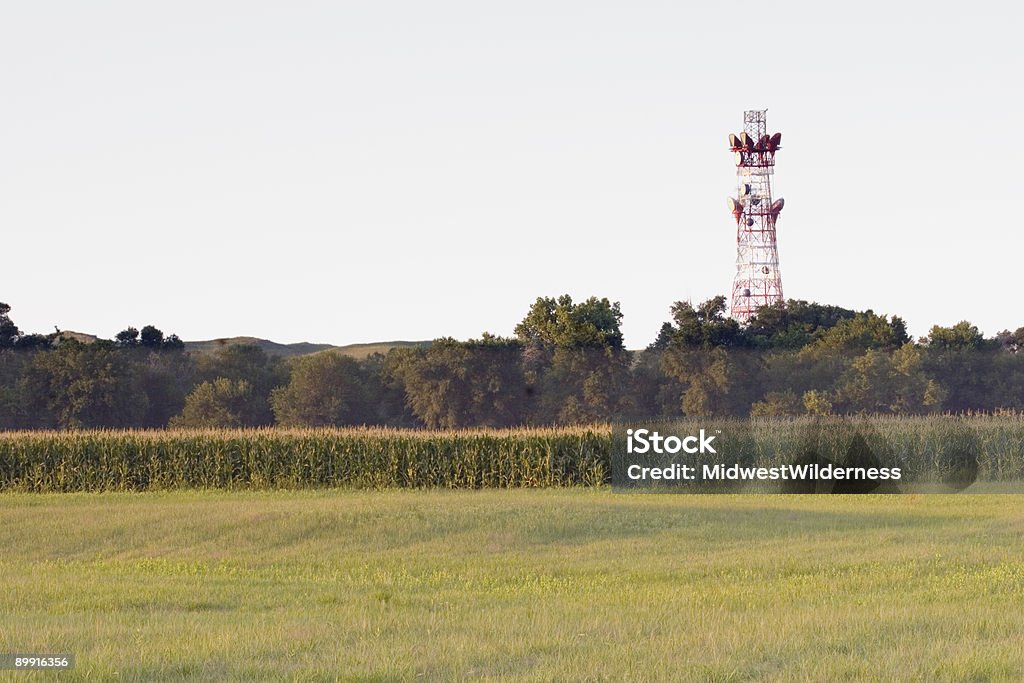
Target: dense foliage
{"x": 566, "y": 364}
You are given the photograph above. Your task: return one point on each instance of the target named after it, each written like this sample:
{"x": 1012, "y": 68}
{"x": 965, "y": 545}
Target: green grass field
{"x": 557, "y": 584}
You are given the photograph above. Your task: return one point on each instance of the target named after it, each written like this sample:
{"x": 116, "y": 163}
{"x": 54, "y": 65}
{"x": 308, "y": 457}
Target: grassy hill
{"x": 274, "y": 348}
{"x": 78, "y": 336}
{"x": 299, "y": 348}
{"x": 270, "y": 347}
{"x": 367, "y": 349}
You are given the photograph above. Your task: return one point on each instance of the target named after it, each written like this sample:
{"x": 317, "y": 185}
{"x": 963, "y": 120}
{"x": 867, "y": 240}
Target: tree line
{"x": 566, "y": 363}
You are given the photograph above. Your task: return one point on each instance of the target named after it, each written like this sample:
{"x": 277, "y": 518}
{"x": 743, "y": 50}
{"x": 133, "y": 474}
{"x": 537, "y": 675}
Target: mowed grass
{"x": 556, "y": 584}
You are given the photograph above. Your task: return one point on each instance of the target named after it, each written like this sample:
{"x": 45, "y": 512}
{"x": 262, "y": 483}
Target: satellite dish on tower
{"x": 736, "y": 208}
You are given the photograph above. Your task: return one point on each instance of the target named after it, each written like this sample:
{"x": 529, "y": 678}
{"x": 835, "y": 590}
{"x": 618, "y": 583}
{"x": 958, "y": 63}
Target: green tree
{"x": 221, "y": 403}
{"x": 704, "y": 327}
{"x": 574, "y": 362}
{"x": 251, "y": 364}
{"x": 896, "y": 382}
{"x": 151, "y": 338}
{"x": 173, "y": 342}
{"x": 1006, "y": 380}
{"x": 821, "y": 365}
{"x": 85, "y": 385}
{"x": 655, "y": 394}
{"x": 162, "y": 371}
{"x": 864, "y": 331}
{"x": 793, "y": 324}
{"x": 1011, "y": 342}
{"x": 559, "y": 323}
{"x": 324, "y": 389}
{"x": 166, "y": 379}
{"x": 584, "y": 385}
{"x": 9, "y": 332}
{"x": 454, "y": 384}
{"x": 14, "y": 412}
{"x": 966, "y": 364}
{"x": 817, "y": 403}
{"x": 963, "y": 335}
{"x": 385, "y": 391}
{"x": 706, "y": 358}
{"x": 717, "y": 381}
{"x": 777, "y": 404}
{"x": 127, "y": 337}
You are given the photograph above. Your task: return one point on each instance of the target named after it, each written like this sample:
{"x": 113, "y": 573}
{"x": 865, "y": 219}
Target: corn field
{"x": 471, "y": 459}
{"x": 284, "y": 458}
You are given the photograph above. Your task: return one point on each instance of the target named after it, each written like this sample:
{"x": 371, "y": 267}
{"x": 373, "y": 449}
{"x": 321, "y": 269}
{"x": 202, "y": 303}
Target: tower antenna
{"x": 758, "y": 281}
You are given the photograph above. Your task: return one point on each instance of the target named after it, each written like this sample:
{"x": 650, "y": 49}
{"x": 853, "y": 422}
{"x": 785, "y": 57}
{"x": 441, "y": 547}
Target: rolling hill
{"x": 273, "y": 348}
{"x": 299, "y": 348}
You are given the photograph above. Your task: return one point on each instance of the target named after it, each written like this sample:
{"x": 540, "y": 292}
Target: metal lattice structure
{"x": 758, "y": 281}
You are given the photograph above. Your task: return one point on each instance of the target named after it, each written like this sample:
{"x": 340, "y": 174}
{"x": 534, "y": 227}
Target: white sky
{"x": 357, "y": 171}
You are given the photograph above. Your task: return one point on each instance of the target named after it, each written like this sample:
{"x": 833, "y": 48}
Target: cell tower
{"x": 758, "y": 281}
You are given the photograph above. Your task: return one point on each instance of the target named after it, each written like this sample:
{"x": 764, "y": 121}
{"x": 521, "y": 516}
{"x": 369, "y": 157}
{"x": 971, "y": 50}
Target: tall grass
{"x": 285, "y": 458}
{"x": 469, "y": 459}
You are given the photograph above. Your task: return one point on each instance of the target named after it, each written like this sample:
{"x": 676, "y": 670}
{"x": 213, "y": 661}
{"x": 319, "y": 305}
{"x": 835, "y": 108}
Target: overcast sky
{"x": 358, "y": 171}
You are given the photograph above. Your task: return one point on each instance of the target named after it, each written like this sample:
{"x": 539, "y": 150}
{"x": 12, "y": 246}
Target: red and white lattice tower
{"x": 758, "y": 281}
